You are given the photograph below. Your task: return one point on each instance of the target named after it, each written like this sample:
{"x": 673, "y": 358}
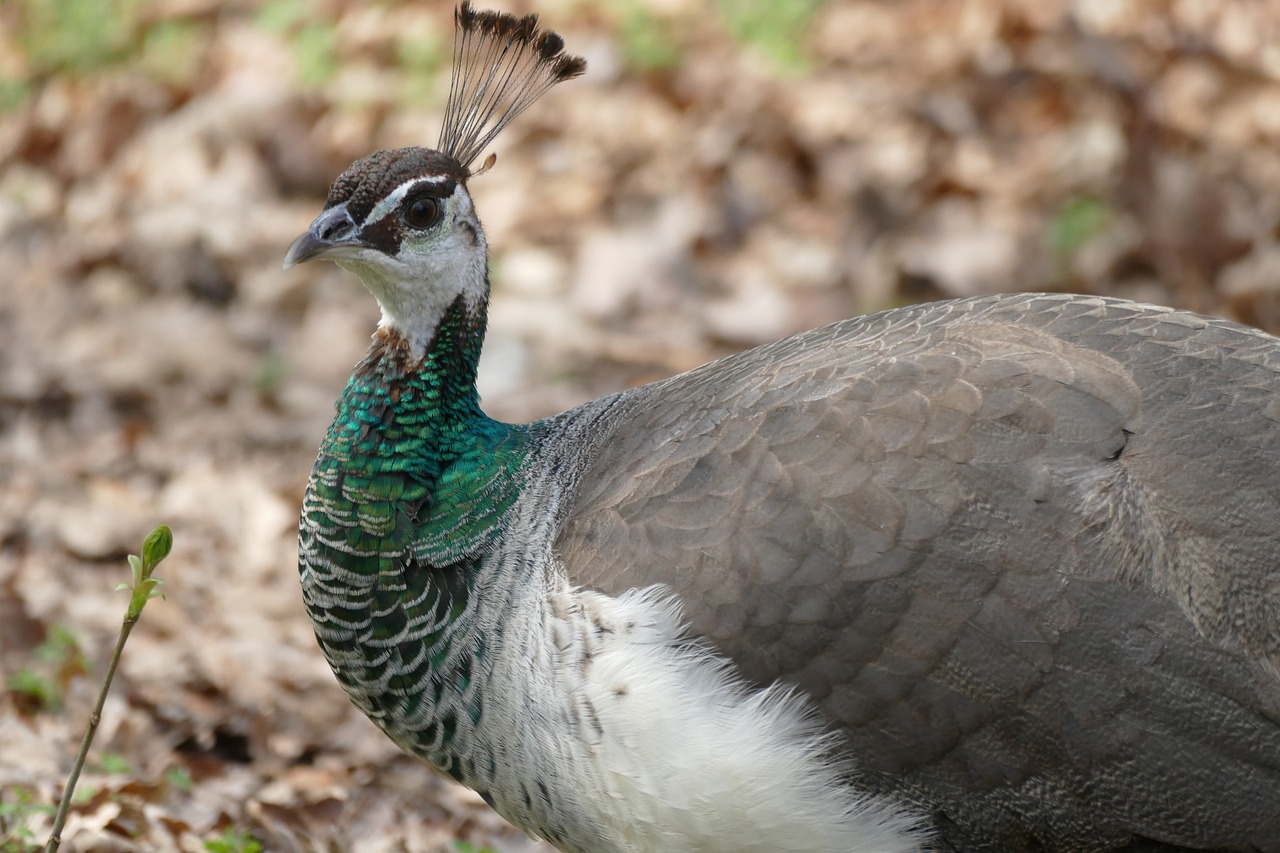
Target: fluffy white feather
{"x": 652, "y": 740}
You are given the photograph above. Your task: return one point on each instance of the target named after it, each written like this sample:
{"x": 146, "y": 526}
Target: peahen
{"x": 989, "y": 574}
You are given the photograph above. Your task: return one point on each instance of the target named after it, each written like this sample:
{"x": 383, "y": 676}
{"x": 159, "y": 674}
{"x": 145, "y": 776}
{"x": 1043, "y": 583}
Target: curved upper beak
{"x": 331, "y": 236}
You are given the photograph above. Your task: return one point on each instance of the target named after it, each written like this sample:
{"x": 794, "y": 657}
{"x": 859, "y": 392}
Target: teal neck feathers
{"x": 410, "y": 465}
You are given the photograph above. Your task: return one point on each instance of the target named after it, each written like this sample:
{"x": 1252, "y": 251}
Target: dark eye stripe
{"x": 388, "y": 231}
{"x": 384, "y": 235}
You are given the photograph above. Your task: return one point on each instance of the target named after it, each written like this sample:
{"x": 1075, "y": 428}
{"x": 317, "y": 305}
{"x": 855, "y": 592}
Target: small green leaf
{"x": 135, "y": 563}
{"x": 153, "y": 588}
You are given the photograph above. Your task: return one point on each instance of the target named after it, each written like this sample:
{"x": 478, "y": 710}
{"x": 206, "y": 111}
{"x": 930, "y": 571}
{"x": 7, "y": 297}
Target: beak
{"x": 331, "y": 236}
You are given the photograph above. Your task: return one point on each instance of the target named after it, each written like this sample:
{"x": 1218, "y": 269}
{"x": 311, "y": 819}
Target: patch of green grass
{"x": 280, "y": 16}
{"x": 1080, "y": 220}
{"x": 17, "y": 807}
{"x": 38, "y": 692}
{"x": 314, "y": 42}
{"x": 468, "y": 847}
{"x": 234, "y": 840}
{"x": 69, "y": 38}
{"x": 270, "y": 373}
{"x": 75, "y": 36}
{"x": 54, "y": 663}
{"x": 13, "y": 93}
{"x": 648, "y": 42}
{"x": 420, "y": 57}
{"x": 114, "y": 764}
{"x": 179, "y": 779}
{"x": 776, "y": 28}
{"x": 171, "y": 51}
{"x": 315, "y": 50}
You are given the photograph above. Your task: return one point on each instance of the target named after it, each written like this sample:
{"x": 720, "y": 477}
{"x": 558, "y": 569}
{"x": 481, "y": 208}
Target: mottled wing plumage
{"x": 1020, "y": 550}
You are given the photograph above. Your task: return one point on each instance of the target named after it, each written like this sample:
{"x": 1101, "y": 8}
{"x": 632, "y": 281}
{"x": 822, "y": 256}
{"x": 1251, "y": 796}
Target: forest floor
{"x": 726, "y": 173}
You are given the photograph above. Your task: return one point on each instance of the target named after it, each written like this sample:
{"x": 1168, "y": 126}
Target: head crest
{"x": 501, "y": 65}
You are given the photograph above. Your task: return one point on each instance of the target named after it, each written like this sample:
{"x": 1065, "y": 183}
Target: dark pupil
{"x": 422, "y": 213}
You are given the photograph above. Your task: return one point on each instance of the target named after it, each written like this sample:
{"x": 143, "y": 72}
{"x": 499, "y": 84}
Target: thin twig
{"x": 55, "y": 837}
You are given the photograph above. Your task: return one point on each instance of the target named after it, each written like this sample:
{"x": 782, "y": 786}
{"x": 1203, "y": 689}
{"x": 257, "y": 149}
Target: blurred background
{"x": 728, "y": 172}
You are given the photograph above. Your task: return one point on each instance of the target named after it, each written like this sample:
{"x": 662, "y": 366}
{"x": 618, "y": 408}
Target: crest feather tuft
{"x": 501, "y": 65}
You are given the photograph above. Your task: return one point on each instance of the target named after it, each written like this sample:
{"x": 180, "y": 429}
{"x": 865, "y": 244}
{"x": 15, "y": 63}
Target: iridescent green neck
{"x": 410, "y": 492}
{"x": 417, "y": 431}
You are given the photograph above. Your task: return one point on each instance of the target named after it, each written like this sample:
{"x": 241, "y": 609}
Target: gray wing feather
{"x": 1024, "y": 551}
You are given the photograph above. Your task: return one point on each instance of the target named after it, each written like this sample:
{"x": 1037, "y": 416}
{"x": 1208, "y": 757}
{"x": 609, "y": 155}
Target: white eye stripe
{"x": 393, "y": 199}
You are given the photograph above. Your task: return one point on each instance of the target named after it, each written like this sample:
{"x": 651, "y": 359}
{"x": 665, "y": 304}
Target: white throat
{"x": 416, "y": 287}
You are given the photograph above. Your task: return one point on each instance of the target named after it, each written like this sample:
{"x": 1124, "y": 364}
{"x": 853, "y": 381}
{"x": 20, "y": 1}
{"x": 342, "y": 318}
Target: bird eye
{"x": 422, "y": 213}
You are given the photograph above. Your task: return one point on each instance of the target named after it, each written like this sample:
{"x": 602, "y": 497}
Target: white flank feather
{"x": 648, "y": 742}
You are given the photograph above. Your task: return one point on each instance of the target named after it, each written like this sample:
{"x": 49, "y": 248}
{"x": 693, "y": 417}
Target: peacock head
{"x": 403, "y": 220}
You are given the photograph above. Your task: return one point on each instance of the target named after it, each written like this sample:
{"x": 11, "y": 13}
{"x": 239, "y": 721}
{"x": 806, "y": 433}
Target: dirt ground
{"x": 727, "y": 173}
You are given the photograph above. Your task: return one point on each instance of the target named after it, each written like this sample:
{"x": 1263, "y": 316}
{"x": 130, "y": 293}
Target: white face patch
{"x": 431, "y": 268}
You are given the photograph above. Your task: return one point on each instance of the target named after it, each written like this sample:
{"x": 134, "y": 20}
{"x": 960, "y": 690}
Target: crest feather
{"x": 501, "y": 65}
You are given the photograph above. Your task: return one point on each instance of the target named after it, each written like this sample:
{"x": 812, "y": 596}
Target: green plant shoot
{"x": 155, "y": 548}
